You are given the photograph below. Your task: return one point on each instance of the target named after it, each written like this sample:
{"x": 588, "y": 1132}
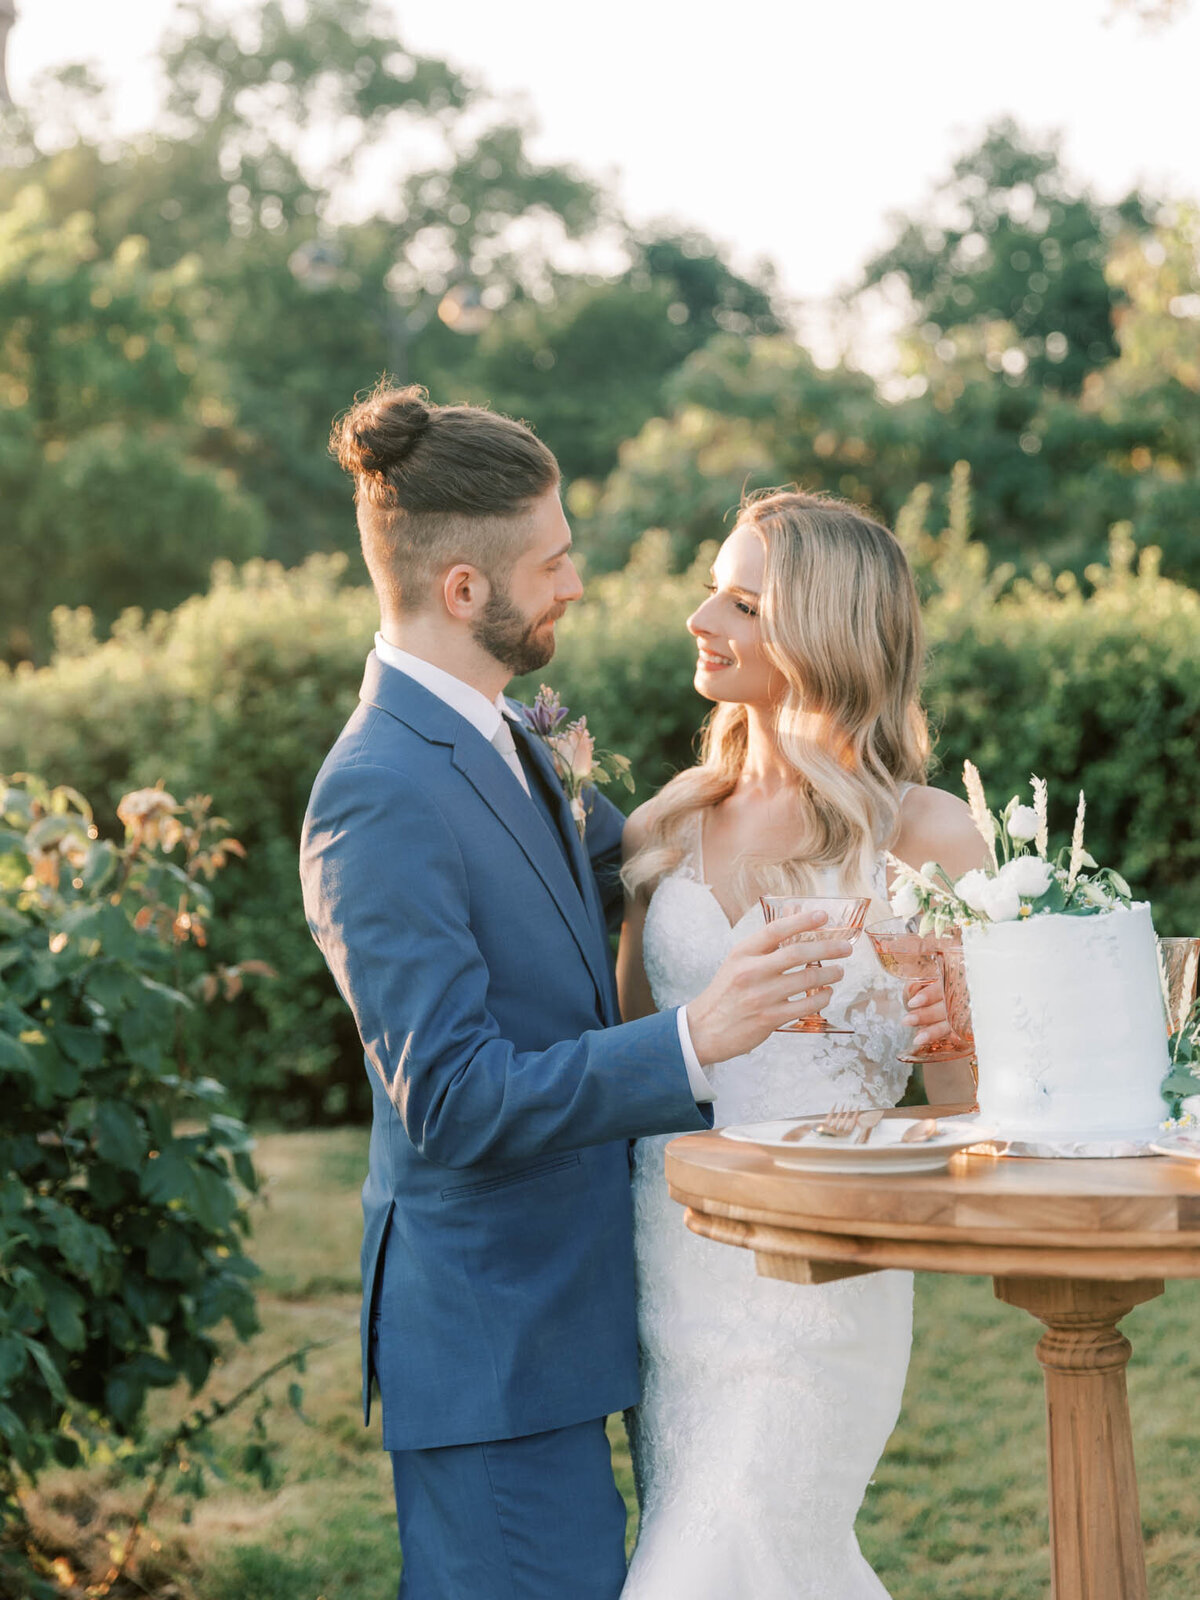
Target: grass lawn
{"x": 957, "y": 1508}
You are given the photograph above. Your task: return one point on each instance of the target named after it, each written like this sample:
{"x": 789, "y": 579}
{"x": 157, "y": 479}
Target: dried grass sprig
{"x": 980, "y": 815}
{"x": 1041, "y": 804}
{"x": 1077, "y": 851}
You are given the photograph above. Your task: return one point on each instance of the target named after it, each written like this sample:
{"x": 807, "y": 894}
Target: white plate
{"x": 1184, "y": 1145}
{"x": 816, "y": 1152}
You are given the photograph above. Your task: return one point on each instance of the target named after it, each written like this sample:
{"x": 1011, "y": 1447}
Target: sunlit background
{"x": 941, "y": 258}
{"x": 788, "y": 133}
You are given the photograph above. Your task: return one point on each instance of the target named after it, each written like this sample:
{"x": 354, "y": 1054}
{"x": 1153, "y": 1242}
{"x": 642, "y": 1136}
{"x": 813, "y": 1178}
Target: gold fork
{"x": 840, "y": 1123}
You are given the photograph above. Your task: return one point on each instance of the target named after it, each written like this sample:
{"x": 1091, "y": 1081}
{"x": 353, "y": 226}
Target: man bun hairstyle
{"x": 437, "y": 485}
{"x": 374, "y": 439}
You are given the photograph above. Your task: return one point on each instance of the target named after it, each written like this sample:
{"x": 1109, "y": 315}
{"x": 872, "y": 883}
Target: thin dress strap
{"x": 879, "y": 885}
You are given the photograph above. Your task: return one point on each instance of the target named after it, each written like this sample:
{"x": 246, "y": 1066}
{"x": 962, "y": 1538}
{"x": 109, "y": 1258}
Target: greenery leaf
{"x": 51, "y": 1375}
{"x": 170, "y": 1177}
{"x": 120, "y": 1135}
{"x": 83, "y": 1046}
{"x": 87, "y": 1249}
{"x": 13, "y": 1359}
{"x": 64, "y": 1314}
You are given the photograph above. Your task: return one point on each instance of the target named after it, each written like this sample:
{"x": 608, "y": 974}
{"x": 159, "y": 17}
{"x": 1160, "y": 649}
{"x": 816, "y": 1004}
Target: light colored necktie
{"x": 503, "y": 741}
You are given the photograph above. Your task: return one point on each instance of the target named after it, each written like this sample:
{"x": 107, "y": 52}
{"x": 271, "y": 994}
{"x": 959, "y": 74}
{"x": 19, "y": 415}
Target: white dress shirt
{"x": 485, "y": 715}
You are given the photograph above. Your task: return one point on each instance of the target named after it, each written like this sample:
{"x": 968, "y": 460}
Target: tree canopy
{"x": 185, "y": 309}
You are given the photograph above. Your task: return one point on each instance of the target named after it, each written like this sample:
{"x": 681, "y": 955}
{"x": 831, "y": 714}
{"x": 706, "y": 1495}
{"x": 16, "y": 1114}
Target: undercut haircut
{"x": 435, "y": 486}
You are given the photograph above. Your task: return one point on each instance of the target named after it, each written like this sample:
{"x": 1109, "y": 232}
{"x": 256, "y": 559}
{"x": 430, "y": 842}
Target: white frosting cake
{"x": 1070, "y": 1033}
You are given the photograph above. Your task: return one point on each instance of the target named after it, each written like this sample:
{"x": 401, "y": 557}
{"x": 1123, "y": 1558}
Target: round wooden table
{"x": 1076, "y": 1243}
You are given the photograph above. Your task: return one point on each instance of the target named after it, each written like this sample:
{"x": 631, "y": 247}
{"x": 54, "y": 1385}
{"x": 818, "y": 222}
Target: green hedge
{"x": 1099, "y": 692}
{"x": 240, "y": 692}
{"x": 237, "y": 693}
{"x": 122, "y": 1180}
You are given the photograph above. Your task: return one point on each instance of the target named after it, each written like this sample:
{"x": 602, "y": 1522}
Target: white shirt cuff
{"x": 702, "y": 1089}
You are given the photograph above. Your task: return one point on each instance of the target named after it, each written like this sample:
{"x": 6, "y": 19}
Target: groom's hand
{"x": 764, "y": 983}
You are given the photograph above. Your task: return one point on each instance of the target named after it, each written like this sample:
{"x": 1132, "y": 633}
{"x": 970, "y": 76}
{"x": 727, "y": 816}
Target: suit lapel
{"x": 536, "y": 755}
{"x": 534, "y": 750}
{"x": 488, "y": 774}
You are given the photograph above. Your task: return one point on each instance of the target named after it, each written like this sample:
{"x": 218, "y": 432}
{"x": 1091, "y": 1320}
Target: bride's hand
{"x": 927, "y": 1012}
{"x": 755, "y": 987}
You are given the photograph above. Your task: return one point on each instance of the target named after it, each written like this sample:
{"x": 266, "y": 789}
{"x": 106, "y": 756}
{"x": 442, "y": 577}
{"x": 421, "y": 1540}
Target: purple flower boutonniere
{"x": 578, "y": 763}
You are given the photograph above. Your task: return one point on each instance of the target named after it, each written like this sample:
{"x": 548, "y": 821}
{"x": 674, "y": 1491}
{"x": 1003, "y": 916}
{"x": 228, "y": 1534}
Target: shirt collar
{"x": 482, "y": 713}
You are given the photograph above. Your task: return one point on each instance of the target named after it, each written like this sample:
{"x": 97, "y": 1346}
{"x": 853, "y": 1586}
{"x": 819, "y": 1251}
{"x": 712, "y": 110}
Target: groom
{"x": 463, "y": 920}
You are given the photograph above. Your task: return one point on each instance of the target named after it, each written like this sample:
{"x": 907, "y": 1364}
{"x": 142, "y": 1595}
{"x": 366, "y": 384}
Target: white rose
{"x": 972, "y": 887}
{"x": 1030, "y": 876}
{"x": 1023, "y": 824}
{"x": 1001, "y": 902}
{"x": 906, "y": 902}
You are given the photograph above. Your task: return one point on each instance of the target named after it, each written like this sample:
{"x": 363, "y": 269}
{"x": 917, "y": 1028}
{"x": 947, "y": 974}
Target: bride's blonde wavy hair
{"x": 841, "y": 624}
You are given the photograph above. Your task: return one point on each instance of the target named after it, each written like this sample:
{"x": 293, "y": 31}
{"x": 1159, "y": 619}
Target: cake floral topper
{"x": 1021, "y": 880}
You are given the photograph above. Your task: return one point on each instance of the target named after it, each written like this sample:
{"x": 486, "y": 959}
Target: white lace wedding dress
{"x": 765, "y": 1405}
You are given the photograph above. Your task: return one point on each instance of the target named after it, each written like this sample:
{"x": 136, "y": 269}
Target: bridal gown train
{"x": 765, "y": 1405}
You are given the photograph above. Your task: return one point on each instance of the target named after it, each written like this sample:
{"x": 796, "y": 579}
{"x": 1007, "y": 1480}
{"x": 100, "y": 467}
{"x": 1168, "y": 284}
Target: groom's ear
{"x": 465, "y": 591}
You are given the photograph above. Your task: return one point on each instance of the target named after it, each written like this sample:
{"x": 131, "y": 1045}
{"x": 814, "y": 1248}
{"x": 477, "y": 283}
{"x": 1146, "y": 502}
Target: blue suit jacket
{"x": 471, "y": 946}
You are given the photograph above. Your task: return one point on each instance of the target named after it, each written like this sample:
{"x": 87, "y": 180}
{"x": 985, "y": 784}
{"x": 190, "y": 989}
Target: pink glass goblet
{"x": 913, "y": 956}
{"x": 1181, "y": 965}
{"x": 845, "y": 917}
{"x": 958, "y": 1002}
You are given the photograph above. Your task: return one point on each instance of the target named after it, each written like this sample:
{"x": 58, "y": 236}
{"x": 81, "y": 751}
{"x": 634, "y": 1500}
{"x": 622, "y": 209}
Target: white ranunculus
{"x": 906, "y": 902}
{"x": 1023, "y": 824}
{"x": 1030, "y": 876}
{"x": 1001, "y": 902}
{"x": 971, "y": 888}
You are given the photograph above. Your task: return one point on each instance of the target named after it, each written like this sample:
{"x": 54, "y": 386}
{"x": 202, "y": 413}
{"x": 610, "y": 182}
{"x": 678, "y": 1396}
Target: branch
{"x": 198, "y": 1422}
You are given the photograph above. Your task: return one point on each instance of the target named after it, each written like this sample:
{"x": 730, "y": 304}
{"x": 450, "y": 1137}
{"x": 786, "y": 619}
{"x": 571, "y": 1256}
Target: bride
{"x": 766, "y": 1405}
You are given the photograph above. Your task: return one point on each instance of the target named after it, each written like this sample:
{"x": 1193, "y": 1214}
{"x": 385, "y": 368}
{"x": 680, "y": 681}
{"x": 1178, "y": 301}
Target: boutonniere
{"x": 577, "y": 762}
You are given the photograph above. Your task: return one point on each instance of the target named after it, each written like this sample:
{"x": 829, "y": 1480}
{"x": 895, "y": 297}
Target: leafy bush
{"x": 120, "y": 1202}
{"x": 241, "y": 692}
{"x": 1099, "y": 692}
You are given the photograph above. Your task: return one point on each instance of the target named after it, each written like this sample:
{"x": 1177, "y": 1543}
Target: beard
{"x": 510, "y": 638}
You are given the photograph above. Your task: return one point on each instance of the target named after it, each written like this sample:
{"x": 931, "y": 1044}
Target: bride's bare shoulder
{"x": 936, "y": 826}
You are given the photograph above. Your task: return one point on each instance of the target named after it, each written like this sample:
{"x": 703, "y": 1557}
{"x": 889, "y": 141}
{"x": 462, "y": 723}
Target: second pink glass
{"x": 1181, "y": 968}
{"x": 845, "y": 917}
{"x": 915, "y": 957}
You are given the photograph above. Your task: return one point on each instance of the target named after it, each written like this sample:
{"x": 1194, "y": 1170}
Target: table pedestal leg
{"x": 1096, "y": 1547}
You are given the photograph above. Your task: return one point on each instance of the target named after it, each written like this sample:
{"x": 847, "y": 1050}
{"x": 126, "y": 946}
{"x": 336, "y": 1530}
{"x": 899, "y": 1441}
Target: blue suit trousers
{"x": 536, "y": 1518}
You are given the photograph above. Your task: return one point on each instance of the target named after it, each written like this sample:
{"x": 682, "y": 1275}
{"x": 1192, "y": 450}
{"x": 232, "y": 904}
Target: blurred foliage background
{"x": 182, "y": 311}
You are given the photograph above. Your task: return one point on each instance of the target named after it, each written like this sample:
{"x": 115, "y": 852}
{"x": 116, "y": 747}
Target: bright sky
{"x": 784, "y": 128}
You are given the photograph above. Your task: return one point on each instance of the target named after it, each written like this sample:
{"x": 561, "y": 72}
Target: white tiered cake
{"x": 1069, "y": 1031}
